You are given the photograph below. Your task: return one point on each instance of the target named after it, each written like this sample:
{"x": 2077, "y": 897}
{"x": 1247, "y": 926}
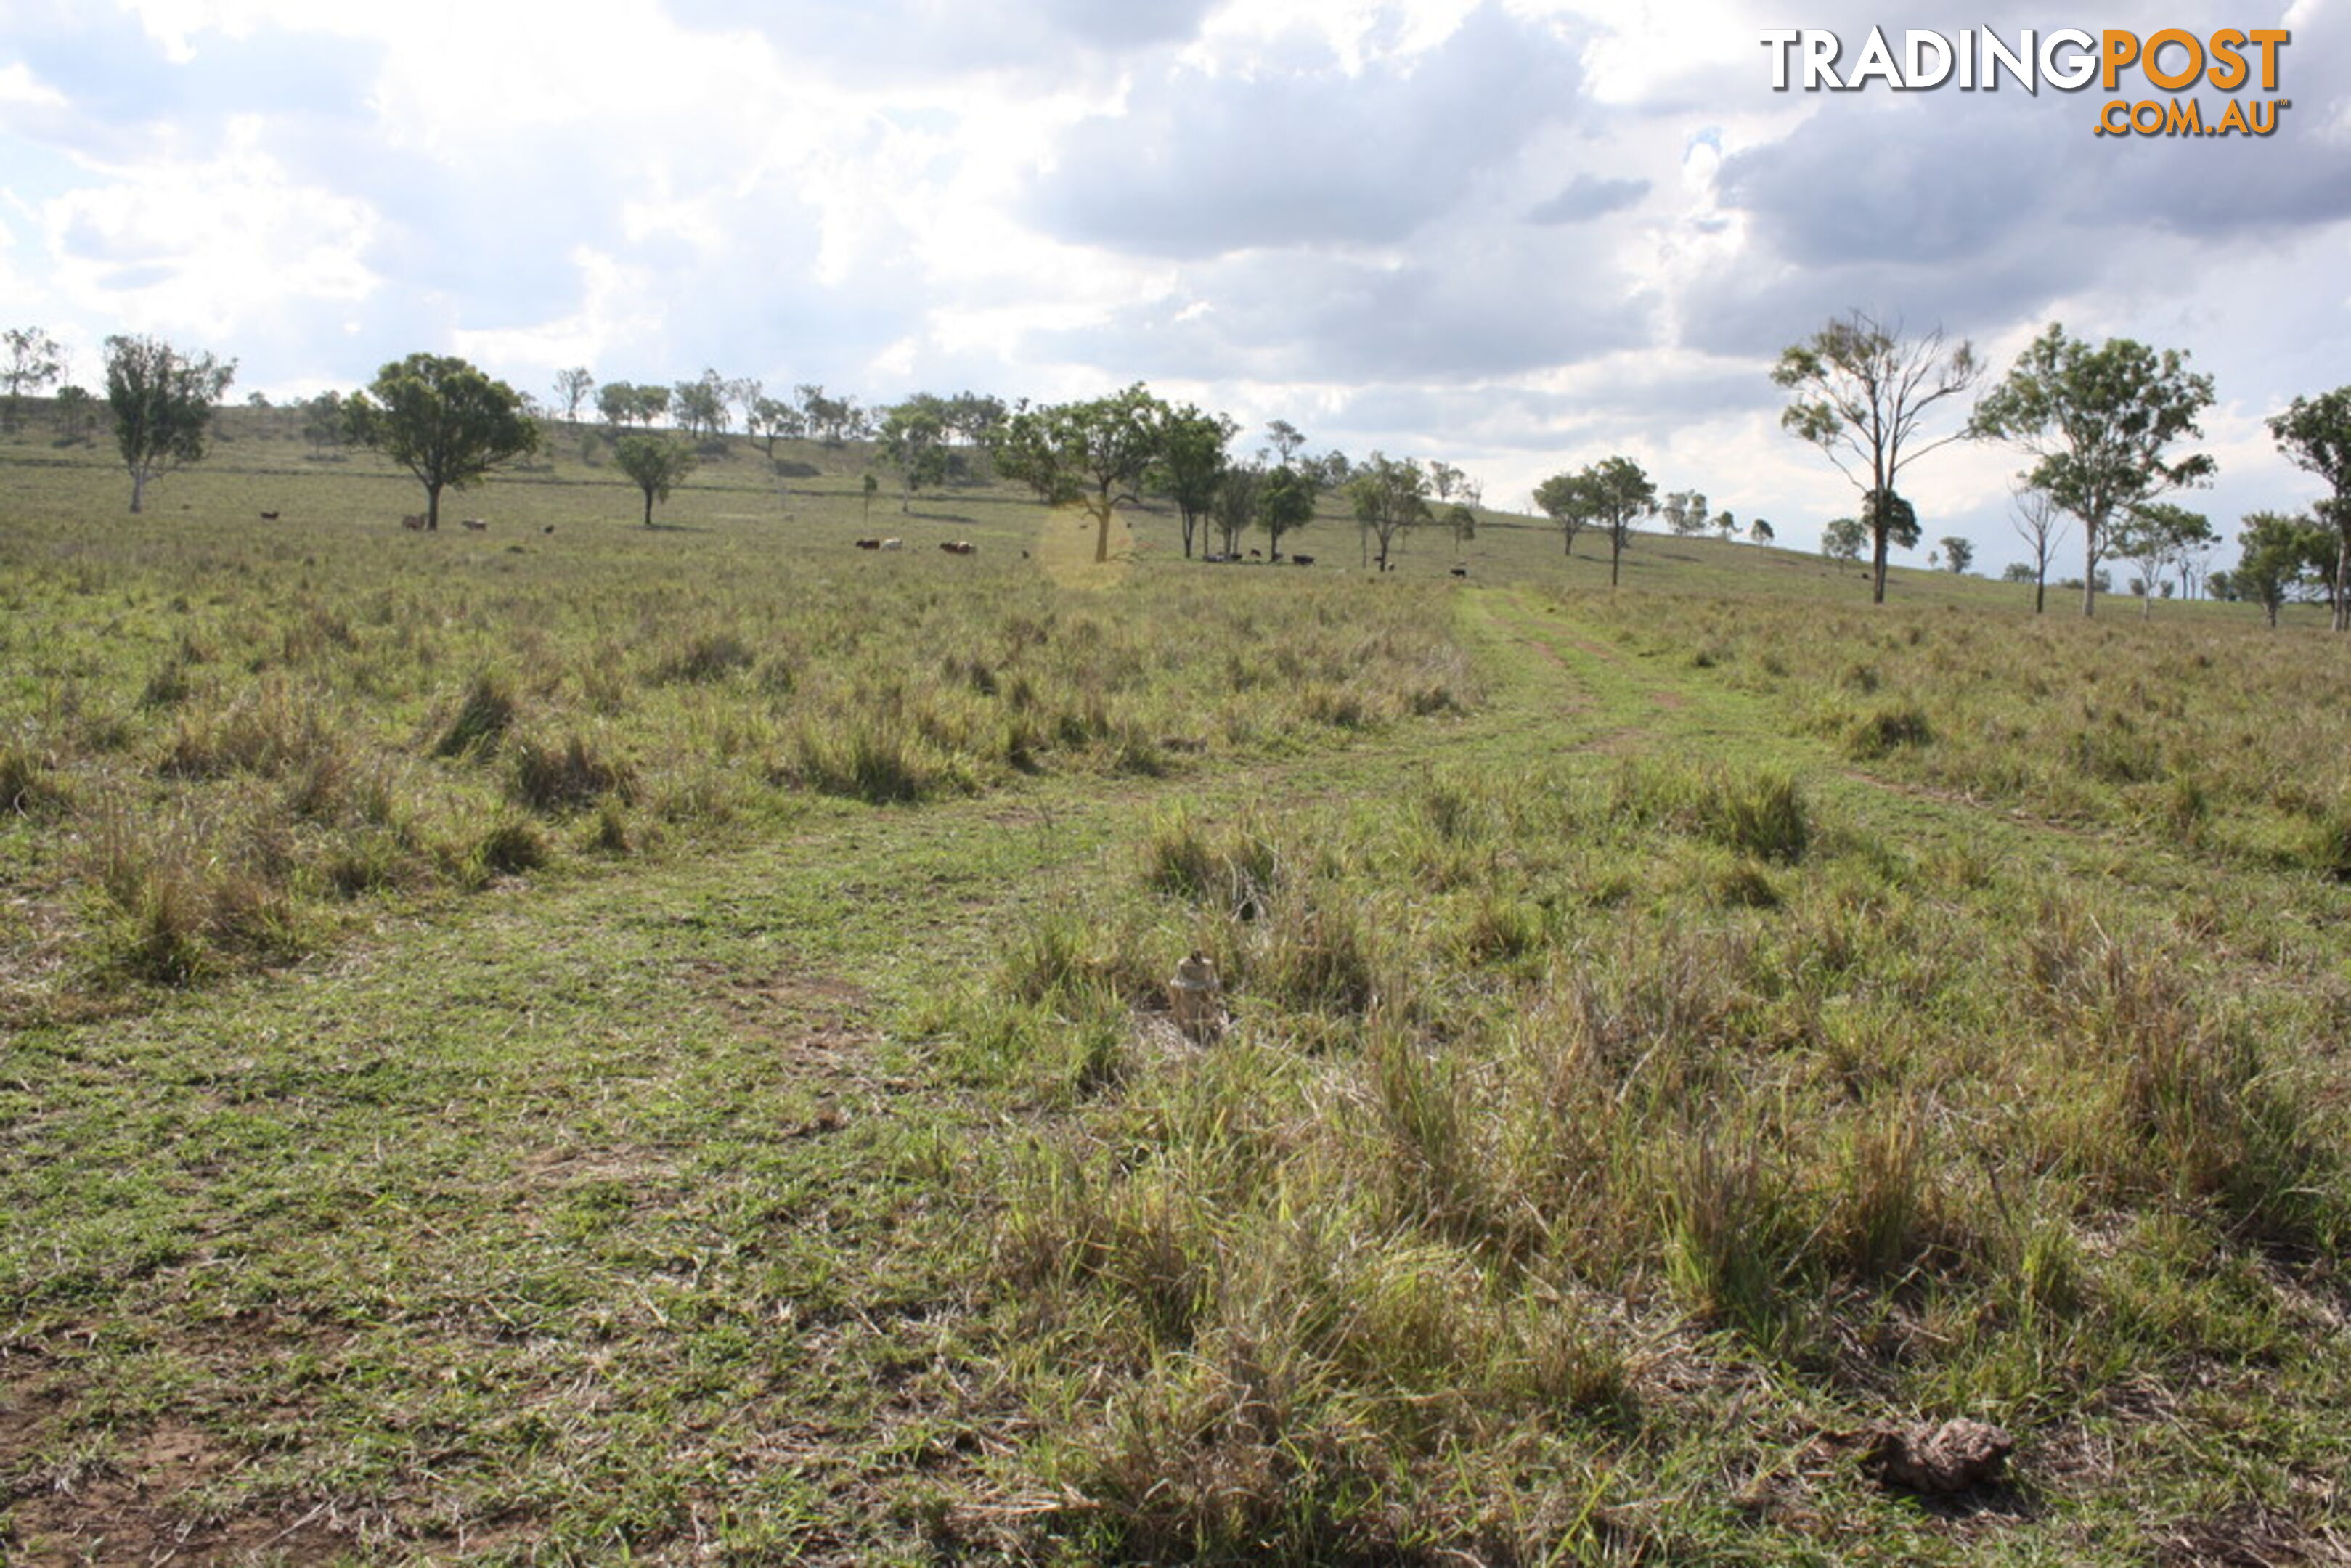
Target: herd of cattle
{"x": 417, "y": 522}
{"x": 952, "y": 547}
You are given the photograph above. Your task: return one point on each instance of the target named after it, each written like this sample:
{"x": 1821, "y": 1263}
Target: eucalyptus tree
{"x": 162, "y": 401}
{"x": 443, "y": 421}
{"x": 2315, "y": 433}
{"x": 571, "y": 389}
{"x": 1093, "y": 453}
{"x": 2101, "y": 422}
{"x": 1610, "y": 494}
{"x": 2158, "y": 538}
{"x": 1285, "y": 504}
{"x": 2039, "y": 522}
{"x": 1863, "y": 393}
{"x": 34, "y": 361}
{"x": 913, "y": 437}
{"x": 1389, "y": 494}
{"x": 1191, "y": 464}
{"x": 655, "y": 464}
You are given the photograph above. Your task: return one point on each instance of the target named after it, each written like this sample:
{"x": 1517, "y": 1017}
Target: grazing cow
{"x": 1257, "y": 554}
{"x": 894, "y": 544}
{"x": 1301, "y": 560}
{"x": 268, "y": 517}
{"x": 413, "y": 522}
{"x": 1460, "y": 571}
{"x": 957, "y": 547}
{"x": 868, "y": 544}
{"x": 549, "y": 529}
{"x": 475, "y": 524}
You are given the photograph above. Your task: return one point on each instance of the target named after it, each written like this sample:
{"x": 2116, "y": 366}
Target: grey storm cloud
{"x": 1979, "y": 209}
{"x": 1300, "y": 153}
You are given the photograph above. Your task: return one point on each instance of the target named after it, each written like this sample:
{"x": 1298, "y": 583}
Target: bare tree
{"x": 2039, "y": 523}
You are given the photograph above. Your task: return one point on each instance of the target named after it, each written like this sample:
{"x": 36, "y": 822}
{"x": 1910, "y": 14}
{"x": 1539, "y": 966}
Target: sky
{"x": 1515, "y": 235}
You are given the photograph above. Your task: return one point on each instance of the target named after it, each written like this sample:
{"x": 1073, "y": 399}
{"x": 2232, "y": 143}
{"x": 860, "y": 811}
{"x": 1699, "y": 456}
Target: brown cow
{"x": 958, "y": 547}
{"x": 414, "y": 521}
{"x": 868, "y": 544}
{"x": 268, "y": 517}
{"x": 1301, "y": 560}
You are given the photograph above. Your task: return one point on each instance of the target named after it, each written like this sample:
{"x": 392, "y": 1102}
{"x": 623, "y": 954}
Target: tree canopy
{"x": 1389, "y": 494}
{"x": 442, "y": 420}
{"x": 2278, "y": 556}
{"x": 1609, "y": 494}
{"x": 162, "y": 401}
{"x": 2100, "y": 422}
{"x": 1191, "y": 464}
{"x": 656, "y": 462}
{"x": 1094, "y": 454}
{"x": 2315, "y": 433}
{"x": 33, "y": 362}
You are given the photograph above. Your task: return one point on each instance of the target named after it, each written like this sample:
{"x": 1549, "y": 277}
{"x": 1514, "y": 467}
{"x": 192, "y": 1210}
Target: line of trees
{"x": 2105, "y": 424}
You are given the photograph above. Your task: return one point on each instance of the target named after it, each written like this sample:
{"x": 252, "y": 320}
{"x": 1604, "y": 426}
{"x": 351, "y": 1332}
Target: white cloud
{"x": 214, "y": 243}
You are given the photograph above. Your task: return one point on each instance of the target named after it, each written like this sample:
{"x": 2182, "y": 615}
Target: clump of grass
{"x": 1731, "y": 1228}
{"x": 1233, "y": 867}
{"x": 269, "y": 730}
{"x": 1887, "y": 729}
{"x": 485, "y": 714}
{"x": 2329, "y": 841}
{"x": 1318, "y": 956}
{"x": 30, "y": 785}
{"x": 876, "y": 761}
{"x": 508, "y": 848}
{"x": 179, "y": 908}
{"x": 1761, "y": 814}
{"x": 704, "y": 657}
{"x": 168, "y": 687}
{"x": 552, "y": 779}
{"x": 1880, "y": 1214}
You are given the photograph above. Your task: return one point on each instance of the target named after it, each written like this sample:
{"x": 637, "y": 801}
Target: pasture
{"x": 653, "y": 1044}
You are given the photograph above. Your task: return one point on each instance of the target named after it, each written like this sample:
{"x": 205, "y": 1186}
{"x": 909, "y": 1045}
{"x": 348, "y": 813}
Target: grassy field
{"x": 652, "y": 1045}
